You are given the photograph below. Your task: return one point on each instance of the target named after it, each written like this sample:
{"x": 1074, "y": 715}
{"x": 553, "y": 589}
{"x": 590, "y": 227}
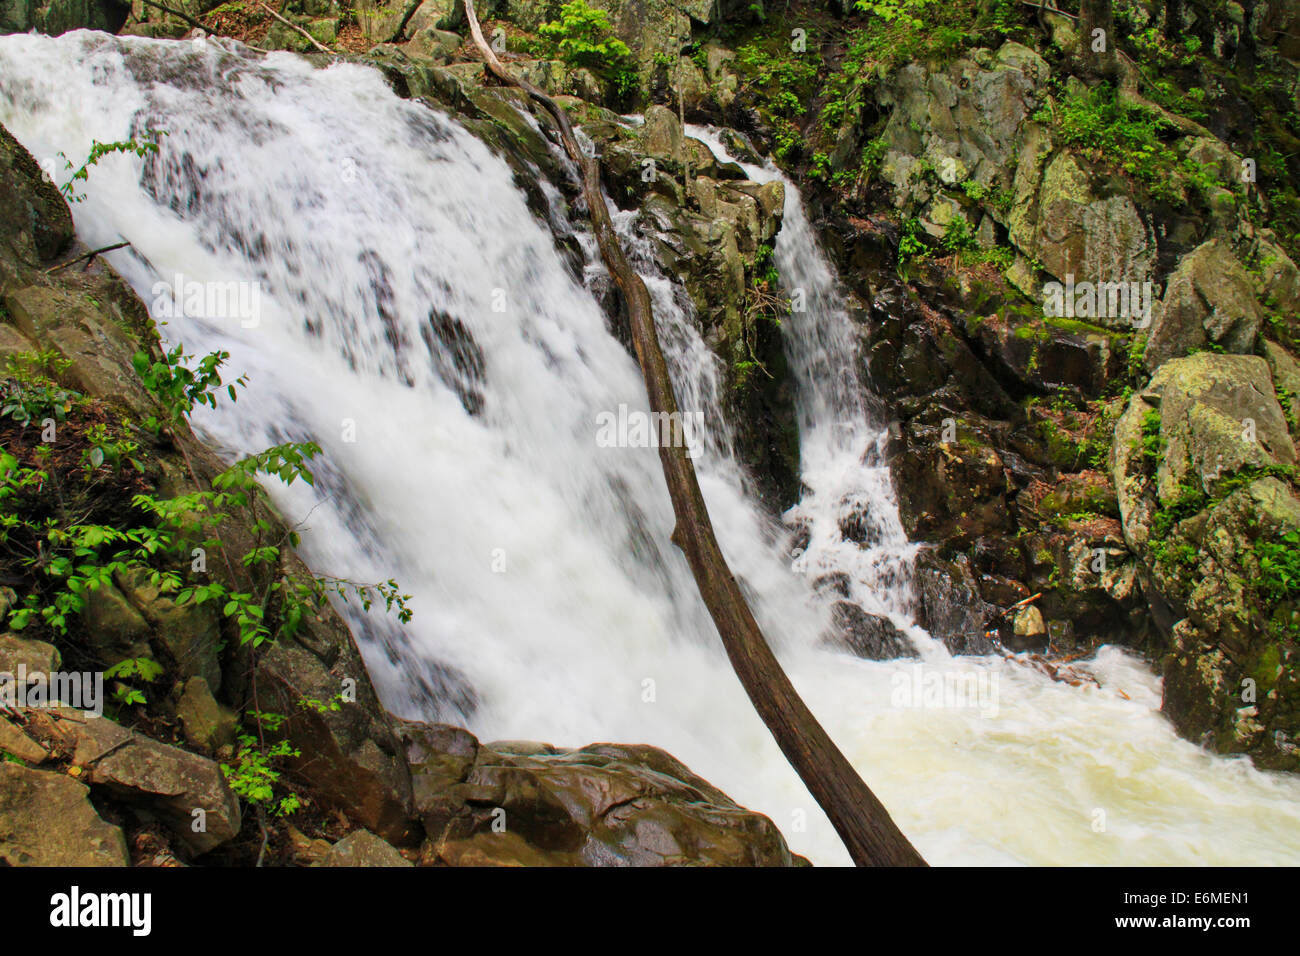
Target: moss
{"x": 1267, "y": 668}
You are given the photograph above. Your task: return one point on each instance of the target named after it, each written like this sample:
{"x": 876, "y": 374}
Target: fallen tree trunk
{"x": 862, "y": 822}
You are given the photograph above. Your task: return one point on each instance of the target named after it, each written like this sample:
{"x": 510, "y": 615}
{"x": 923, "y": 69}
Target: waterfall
{"x": 418, "y": 322}
{"x": 842, "y": 437}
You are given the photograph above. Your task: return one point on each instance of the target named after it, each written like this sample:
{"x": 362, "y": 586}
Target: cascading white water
{"x": 545, "y": 591}
{"x": 841, "y": 440}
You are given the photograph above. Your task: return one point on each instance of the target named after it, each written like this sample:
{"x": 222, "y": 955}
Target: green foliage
{"x": 765, "y": 270}
{"x": 908, "y": 12}
{"x": 1177, "y": 552}
{"x": 582, "y": 38}
{"x": 145, "y": 669}
{"x": 67, "y": 557}
{"x": 108, "y": 450}
{"x": 1136, "y": 358}
{"x": 872, "y": 155}
{"x": 1191, "y": 500}
{"x": 741, "y": 372}
{"x": 180, "y": 387}
{"x": 926, "y": 30}
{"x": 911, "y": 243}
{"x": 821, "y": 166}
{"x": 785, "y": 81}
{"x": 1279, "y": 567}
{"x": 253, "y": 774}
{"x": 1153, "y": 443}
{"x": 30, "y": 392}
{"x": 1130, "y": 136}
{"x": 140, "y": 147}
{"x": 957, "y": 235}
{"x": 1154, "y": 48}
{"x": 1287, "y": 399}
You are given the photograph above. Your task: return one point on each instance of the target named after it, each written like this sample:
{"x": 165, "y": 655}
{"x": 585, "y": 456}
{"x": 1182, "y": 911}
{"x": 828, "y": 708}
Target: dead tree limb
{"x": 293, "y": 26}
{"x": 89, "y": 255}
{"x": 179, "y": 14}
{"x": 862, "y": 822}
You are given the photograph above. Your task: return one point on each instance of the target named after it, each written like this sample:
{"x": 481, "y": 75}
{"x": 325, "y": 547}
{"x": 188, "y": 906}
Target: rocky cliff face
{"x": 1080, "y": 301}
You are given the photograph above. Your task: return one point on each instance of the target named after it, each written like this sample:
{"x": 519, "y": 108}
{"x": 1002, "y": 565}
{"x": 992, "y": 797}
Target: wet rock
{"x": 856, "y": 525}
{"x": 950, "y": 482}
{"x": 872, "y": 636}
{"x": 46, "y": 819}
{"x": 527, "y": 803}
{"x": 1029, "y": 628}
{"x": 499, "y": 849}
{"x": 951, "y": 607}
{"x": 835, "y": 583}
{"x": 440, "y": 757}
{"x": 33, "y": 216}
{"x": 1047, "y": 354}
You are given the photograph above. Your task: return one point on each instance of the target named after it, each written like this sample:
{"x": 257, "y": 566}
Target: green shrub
{"x": 581, "y": 38}
{"x": 1279, "y": 567}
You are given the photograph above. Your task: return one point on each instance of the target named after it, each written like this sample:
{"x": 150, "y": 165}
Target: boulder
{"x": 98, "y": 342}
{"x": 34, "y": 219}
{"x": 1075, "y": 233}
{"x": 1046, "y": 353}
{"x": 36, "y": 657}
{"x": 1217, "y": 415}
{"x": 965, "y": 120}
{"x": 1199, "y": 461}
{"x": 190, "y": 633}
{"x": 871, "y": 636}
{"x": 46, "y": 819}
{"x": 1209, "y": 300}
{"x": 951, "y": 606}
{"x": 116, "y": 628}
{"x": 1277, "y": 279}
{"x": 529, "y": 804}
{"x": 172, "y": 784}
{"x": 362, "y": 848}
